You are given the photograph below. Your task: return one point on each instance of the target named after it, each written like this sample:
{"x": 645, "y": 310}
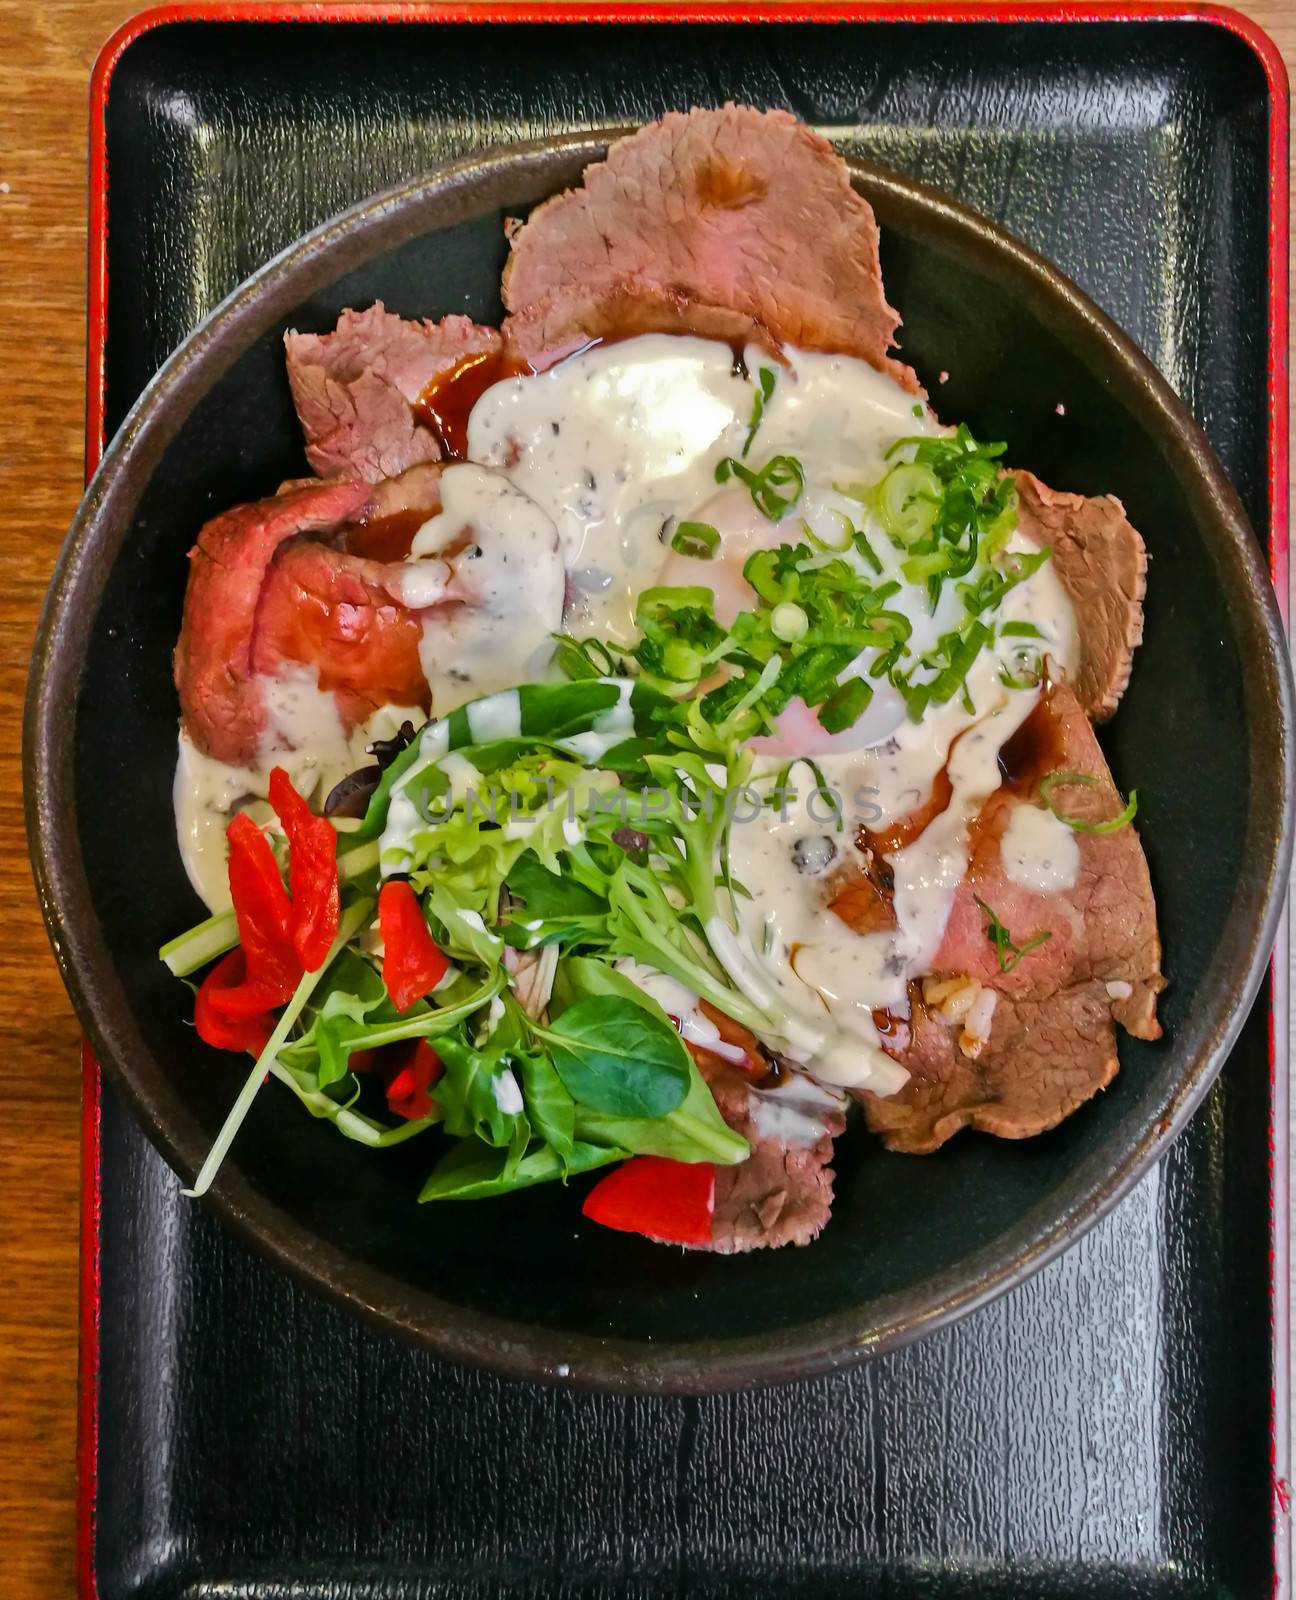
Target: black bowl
{"x": 524, "y": 1284}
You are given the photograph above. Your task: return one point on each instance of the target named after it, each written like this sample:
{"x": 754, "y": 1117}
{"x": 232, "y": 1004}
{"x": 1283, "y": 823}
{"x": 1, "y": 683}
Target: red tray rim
{"x": 763, "y": 11}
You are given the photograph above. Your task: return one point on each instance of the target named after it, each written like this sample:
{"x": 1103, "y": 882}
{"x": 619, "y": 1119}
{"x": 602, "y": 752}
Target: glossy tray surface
{"x": 1106, "y": 1428}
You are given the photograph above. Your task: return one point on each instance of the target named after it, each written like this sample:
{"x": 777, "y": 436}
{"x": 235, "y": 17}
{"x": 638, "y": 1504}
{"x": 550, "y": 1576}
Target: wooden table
{"x": 46, "y": 53}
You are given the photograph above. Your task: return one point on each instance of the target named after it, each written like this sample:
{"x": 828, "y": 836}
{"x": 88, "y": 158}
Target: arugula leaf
{"x": 355, "y": 993}
{"x": 614, "y": 1056}
{"x": 352, "y": 1124}
{"x": 468, "y": 1172}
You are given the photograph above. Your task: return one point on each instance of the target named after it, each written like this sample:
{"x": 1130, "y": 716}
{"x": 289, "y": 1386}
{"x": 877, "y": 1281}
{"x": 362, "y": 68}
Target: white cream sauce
{"x": 304, "y": 735}
{"x": 1038, "y": 851}
{"x": 820, "y": 969}
{"x": 508, "y": 587}
{"x": 796, "y": 1112}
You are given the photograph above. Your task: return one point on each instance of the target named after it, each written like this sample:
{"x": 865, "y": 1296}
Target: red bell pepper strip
{"x": 312, "y": 872}
{"x": 672, "y": 1201}
{"x": 407, "y": 1093}
{"x": 412, "y": 964}
{"x": 408, "y": 1069}
{"x": 221, "y": 1030}
{"x": 263, "y": 911}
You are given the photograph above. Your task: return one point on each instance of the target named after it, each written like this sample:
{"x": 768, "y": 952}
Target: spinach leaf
{"x": 353, "y": 1124}
{"x": 547, "y": 895}
{"x": 616, "y": 1057}
{"x": 694, "y": 1131}
{"x": 468, "y": 1172}
{"x": 550, "y": 1108}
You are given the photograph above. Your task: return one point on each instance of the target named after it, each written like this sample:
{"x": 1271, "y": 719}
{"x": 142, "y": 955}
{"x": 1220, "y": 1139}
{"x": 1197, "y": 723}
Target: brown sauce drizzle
{"x": 446, "y": 403}
{"x": 1034, "y": 750}
{"x": 386, "y": 538}
{"x": 909, "y": 827}
{"x": 776, "y": 1075}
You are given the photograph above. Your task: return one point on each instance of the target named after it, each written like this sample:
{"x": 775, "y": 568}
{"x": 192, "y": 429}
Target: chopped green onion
{"x": 657, "y": 603}
{"x": 697, "y": 539}
{"x": 1007, "y": 951}
{"x": 908, "y": 501}
{"x": 788, "y": 622}
{"x": 760, "y": 400}
{"x": 948, "y": 562}
{"x": 582, "y": 659}
{"x": 961, "y": 656}
{"x": 916, "y": 697}
{"x": 863, "y": 492}
{"x": 778, "y": 473}
{"x": 1019, "y": 630}
{"x": 844, "y": 708}
{"x": 866, "y": 550}
{"x": 841, "y": 546}
{"x": 1112, "y": 825}
{"x": 996, "y": 583}
{"x": 1029, "y": 677}
{"x": 766, "y": 681}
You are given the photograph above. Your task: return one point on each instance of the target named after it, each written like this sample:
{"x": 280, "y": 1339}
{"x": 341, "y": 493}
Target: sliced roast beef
{"x": 1046, "y": 1058}
{"x": 338, "y": 613}
{"x": 621, "y": 308}
{"x": 220, "y": 699}
{"x": 717, "y": 222}
{"x": 1102, "y": 564}
{"x": 400, "y": 506}
{"x": 1043, "y": 1040}
{"x": 356, "y": 388}
{"x": 782, "y": 1194}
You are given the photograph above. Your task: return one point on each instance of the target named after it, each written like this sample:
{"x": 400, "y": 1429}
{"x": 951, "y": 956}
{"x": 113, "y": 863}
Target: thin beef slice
{"x": 356, "y": 388}
{"x": 220, "y": 698}
{"x": 728, "y": 223}
{"x": 1101, "y": 562}
{"x": 1051, "y": 1044}
{"x": 782, "y": 1194}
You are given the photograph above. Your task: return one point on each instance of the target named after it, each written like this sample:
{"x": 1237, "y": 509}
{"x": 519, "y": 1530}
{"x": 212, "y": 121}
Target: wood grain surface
{"x": 46, "y": 54}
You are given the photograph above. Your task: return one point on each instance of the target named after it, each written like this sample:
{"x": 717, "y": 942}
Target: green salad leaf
{"x": 471, "y": 1172}
{"x": 615, "y": 1057}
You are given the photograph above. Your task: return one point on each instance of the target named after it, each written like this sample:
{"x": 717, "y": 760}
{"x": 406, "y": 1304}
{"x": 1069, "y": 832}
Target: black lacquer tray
{"x": 1116, "y": 1425}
